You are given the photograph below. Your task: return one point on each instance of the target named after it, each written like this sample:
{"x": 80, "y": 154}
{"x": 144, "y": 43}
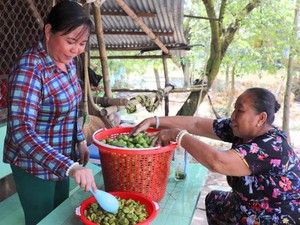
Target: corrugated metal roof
{"x": 168, "y": 20}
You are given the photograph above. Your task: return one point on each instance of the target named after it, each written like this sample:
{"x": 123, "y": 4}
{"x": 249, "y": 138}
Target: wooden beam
{"x": 133, "y": 57}
{"x": 141, "y": 33}
{"x": 175, "y": 90}
{"x": 122, "y": 13}
{"x": 200, "y": 17}
{"x": 112, "y": 109}
{"x": 134, "y": 48}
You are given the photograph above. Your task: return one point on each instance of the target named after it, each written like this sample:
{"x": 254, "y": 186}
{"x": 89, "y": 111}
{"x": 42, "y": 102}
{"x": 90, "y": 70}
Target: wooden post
{"x": 186, "y": 77}
{"x": 166, "y": 82}
{"x": 157, "y": 78}
{"x": 102, "y": 49}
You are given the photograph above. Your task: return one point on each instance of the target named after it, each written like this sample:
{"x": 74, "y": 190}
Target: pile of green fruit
{"x": 130, "y": 212}
{"x": 124, "y": 141}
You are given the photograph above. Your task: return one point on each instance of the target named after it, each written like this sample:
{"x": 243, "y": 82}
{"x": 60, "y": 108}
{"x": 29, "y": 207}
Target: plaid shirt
{"x": 42, "y": 103}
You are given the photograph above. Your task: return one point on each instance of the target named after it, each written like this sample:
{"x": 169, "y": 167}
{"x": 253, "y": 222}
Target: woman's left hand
{"x": 84, "y": 153}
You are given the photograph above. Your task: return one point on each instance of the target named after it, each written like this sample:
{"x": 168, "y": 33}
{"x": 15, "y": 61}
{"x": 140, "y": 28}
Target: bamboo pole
{"x": 141, "y": 33}
{"x": 133, "y": 57}
{"x": 166, "y": 73}
{"x": 195, "y": 88}
{"x": 157, "y": 78}
{"x": 36, "y": 14}
{"x": 97, "y": 111}
{"x": 91, "y": 123}
{"x": 112, "y": 109}
{"x": 102, "y": 50}
{"x": 146, "y": 29}
{"x": 106, "y": 101}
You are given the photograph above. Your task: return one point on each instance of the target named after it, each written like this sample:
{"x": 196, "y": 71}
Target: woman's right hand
{"x": 142, "y": 126}
{"x": 84, "y": 177}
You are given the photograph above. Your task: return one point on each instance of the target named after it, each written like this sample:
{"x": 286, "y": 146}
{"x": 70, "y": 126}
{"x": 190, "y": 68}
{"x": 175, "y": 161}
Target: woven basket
{"x": 143, "y": 171}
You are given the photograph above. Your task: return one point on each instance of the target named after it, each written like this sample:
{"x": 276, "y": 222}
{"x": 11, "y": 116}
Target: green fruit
{"x": 139, "y": 141}
{"x": 130, "y": 145}
{"x": 145, "y": 145}
{"x": 120, "y": 144}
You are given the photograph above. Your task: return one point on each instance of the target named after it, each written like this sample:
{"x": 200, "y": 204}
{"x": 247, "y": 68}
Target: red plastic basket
{"x": 150, "y": 207}
{"x": 144, "y": 171}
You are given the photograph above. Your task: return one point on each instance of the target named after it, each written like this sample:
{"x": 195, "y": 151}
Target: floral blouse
{"x": 271, "y": 194}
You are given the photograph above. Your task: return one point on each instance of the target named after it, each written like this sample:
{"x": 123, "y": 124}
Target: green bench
{"x": 4, "y": 168}
{"x": 11, "y": 211}
{"x": 176, "y": 208}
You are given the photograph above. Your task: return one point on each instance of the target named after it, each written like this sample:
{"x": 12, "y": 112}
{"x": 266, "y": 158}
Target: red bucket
{"x": 142, "y": 170}
{"x": 150, "y": 207}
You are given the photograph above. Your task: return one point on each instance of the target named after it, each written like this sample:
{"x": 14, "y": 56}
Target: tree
{"x": 294, "y": 48}
{"x": 221, "y": 39}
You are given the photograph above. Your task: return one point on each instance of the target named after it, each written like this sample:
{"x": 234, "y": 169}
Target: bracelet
{"x": 156, "y": 122}
{"x": 71, "y": 167}
{"x": 82, "y": 142}
{"x": 180, "y": 135}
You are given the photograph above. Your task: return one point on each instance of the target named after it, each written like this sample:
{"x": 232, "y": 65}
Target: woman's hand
{"x": 84, "y": 153}
{"x": 142, "y": 126}
{"x": 164, "y": 137}
{"x": 84, "y": 177}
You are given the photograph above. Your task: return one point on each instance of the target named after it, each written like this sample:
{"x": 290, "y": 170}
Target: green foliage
{"x": 260, "y": 43}
{"x": 197, "y": 33}
{"x": 136, "y": 67}
{"x": 269, "y": 32}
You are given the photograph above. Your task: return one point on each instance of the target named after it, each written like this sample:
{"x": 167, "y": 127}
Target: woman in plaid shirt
{"x": 43, "y": 99}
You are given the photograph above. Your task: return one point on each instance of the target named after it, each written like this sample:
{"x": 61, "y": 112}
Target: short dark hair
{"x": 264, "y": 101}
{"x": 66, "y": 16}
